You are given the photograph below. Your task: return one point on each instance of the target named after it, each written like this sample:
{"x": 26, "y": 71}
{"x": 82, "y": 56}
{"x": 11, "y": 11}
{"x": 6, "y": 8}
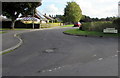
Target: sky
{"x": 92, "y": 8}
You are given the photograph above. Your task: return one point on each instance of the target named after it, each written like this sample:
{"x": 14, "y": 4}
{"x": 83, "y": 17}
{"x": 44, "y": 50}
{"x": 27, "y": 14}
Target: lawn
{"x": 68, "y": 25}
{"x": 1, "y": 32}
{"x": 90, "y": 33}
{"x": 15, "y": 29}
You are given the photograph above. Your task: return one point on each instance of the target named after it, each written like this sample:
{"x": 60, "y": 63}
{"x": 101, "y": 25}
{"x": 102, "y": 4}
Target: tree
{"x": 13, "y": 9}
{"x": 72, "y": 12}
{"x": 117, "y": 23}
{"x": 85, "y": 19}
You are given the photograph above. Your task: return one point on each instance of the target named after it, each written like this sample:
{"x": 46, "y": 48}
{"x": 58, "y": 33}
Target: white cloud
{"x": 52, "y": 9}
{"x": 99, "y": 8}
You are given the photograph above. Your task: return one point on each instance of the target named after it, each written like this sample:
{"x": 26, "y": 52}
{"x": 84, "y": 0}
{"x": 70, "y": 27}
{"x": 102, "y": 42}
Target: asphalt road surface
{"x": 52, "y": 53}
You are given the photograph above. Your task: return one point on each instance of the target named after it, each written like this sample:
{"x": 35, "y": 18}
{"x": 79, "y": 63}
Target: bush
{"x": 117, "y": 22}
{"x": 97, "y": 26}
{"x": 49, "y": 25}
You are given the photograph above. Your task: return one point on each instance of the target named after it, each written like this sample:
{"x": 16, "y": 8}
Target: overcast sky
{"x": 92, "y": 8}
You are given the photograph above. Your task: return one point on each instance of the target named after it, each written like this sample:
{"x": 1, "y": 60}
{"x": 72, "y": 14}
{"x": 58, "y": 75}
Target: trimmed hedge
{"x": 49, "y": 25}
{"x": 97, "y": 26}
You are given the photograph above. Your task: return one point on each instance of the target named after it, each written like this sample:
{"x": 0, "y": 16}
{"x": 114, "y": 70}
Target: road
{"x": 52, "y": 53}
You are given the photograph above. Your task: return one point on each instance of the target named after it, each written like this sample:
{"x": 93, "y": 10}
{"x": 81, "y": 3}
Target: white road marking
{"x": 118, "y": 51}
{"x": 116, "y": 55}
{"x": 94, "y": 55}
{"x": 100, "y": 59}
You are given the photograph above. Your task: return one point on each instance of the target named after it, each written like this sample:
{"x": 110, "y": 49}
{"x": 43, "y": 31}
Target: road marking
{"x": 100, "y": 59}
{"x": 50, "y": 70}
{"x": 116, "y": 55}
{"x": 94, "y": 55}
{"x": 118, "y": 51}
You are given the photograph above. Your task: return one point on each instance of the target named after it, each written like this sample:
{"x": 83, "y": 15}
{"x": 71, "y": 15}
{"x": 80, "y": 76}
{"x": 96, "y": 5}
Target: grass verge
{"x": 6, "y": 52}
{"x": 15, "y": 29}
{"x": 68, "y": 25}
{"x": 90, "y": 33}
{"x": 1, "y": 32}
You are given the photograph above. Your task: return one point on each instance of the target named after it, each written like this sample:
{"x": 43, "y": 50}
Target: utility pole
{"x": 33, "y": 20}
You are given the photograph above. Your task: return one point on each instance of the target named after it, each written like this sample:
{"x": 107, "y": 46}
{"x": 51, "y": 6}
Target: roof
{"x": 50, "y": 18}
{"x": 28, "y": 18}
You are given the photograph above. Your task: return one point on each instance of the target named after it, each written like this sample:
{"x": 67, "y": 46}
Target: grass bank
{"x": 1, "y": 32}
{"x": 68, "y": 25}
{"x": 15, "y": 29}
{"x": 50, "y": 25}
{"x": 90, "y": 33}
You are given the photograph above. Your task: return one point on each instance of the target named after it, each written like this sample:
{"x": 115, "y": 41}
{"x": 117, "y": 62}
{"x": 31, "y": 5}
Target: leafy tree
{"x": 61, "y": 17}
{"x": 72, "y": 12}
{"x": 13, "y": 9}
{"x": 117, "y": 23}
{"x": 85, "y": 19}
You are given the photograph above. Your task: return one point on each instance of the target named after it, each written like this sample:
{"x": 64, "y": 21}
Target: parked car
{"x": 77, "y": 24}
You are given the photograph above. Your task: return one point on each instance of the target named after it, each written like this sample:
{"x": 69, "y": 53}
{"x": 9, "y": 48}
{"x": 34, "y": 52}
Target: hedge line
{"x": 98, "y": 26}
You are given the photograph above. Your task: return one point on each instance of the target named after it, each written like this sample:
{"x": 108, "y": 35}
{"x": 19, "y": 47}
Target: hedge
{"x": 97, "y": 26}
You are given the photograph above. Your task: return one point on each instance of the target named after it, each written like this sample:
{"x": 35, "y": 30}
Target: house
{"x": 41, "y": 17}
{"x": 49, "y": 18}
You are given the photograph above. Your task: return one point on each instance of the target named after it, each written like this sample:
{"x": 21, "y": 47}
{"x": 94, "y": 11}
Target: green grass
{"x": 15, "y": 29}
{"x": 90, "y": 33}
{"x": 68, "y": 25}
{"x": 50, "y": 25}
{"x": 1, "y": 32}
{"x": 6, "y": 52}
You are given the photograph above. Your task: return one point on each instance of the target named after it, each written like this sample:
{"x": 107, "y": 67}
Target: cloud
{"x": 99, "y": 8}
{"x": 52, "y": 9}
{"x": 92, "y": 8}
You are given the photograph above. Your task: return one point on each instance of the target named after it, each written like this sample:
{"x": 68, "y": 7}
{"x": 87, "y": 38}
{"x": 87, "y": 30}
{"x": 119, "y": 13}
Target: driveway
{"x": 52, "y": 53}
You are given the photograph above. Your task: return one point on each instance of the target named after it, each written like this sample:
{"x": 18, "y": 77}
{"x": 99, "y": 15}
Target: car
{"x": 77, "y": 24}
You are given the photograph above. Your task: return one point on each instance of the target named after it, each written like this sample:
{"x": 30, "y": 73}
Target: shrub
{"x": 97, "y": 26}
{"x": 117, "y": 22}
{"x": 49, "y": 25}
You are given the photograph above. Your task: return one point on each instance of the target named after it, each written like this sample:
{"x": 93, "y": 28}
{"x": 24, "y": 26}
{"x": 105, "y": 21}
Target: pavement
{"x": 51, "y": 53}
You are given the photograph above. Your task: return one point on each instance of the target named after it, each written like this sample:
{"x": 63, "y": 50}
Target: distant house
{"x": 49, "y": 18}
{"x": 41, "y": 17}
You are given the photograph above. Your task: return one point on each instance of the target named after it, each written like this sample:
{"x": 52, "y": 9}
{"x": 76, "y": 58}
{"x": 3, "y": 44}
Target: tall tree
{"x": 72, "y": 12}
{"x": 13, "y": 9}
